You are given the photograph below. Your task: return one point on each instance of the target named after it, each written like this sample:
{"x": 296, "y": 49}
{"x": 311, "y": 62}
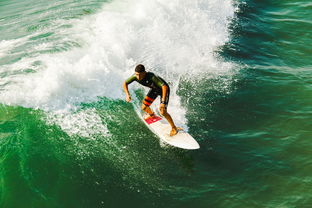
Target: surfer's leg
{"x": 174, "y": 129}
{"x": 148, "y": 100}
{"x": 163, "y": 112}
{"x": 147, "y": 109}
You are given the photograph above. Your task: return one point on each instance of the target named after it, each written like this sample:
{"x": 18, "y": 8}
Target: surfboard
{"x": 162, "y": 129}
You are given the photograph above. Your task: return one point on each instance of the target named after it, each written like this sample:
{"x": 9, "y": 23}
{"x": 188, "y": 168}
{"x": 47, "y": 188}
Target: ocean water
{"x": 241, "y": 84}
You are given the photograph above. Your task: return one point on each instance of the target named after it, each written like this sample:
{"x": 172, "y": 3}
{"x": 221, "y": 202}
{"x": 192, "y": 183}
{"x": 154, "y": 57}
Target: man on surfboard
{"x": 157, "y": 86}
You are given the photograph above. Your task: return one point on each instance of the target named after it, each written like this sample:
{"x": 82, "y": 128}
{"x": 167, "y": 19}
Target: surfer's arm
{"x": 125, "y": 87}
{"x": 164, "y": 88}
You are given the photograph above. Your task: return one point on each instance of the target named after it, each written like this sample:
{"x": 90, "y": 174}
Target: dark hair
{"x": 140, "y": 68}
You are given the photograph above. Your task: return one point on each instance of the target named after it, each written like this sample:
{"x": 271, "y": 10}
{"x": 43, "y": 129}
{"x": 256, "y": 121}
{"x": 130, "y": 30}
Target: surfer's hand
{"x": 128, "y": 99}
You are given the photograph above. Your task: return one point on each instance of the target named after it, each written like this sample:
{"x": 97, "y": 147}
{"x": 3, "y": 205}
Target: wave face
{"x": 68, "y": 138}
{"x": 240, "y": 78}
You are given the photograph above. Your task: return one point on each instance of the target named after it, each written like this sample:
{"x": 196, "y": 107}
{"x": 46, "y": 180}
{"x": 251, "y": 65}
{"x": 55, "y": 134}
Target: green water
{"x": 253, "y": 123}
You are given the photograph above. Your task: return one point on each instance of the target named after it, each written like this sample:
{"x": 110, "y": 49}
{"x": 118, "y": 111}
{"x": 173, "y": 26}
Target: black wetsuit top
{"x": 155, "y": 83}
{"x": 150, "y": 80}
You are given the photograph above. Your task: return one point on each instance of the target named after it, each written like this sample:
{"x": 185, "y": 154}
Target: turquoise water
{"x": 240, "y": 83}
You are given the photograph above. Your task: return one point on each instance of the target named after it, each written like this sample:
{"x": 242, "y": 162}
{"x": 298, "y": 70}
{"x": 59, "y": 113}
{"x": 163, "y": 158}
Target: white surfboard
{"x": 162, "y": 129}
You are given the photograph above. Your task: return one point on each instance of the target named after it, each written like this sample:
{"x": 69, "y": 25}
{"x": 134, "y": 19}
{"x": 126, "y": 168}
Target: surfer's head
{"x": 140, "y": 71}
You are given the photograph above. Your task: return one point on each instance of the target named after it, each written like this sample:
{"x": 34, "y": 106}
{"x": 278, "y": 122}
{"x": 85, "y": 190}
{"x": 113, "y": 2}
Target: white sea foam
{"x": 86, "y": 123}
{"x": 172, "y": 38}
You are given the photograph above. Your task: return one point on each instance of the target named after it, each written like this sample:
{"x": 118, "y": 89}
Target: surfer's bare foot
{"x": 173, "y": 131}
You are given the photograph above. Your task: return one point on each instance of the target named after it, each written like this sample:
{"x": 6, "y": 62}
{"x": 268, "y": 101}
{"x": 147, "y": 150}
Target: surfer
{"x": 157, "y": 86}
